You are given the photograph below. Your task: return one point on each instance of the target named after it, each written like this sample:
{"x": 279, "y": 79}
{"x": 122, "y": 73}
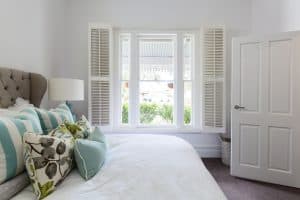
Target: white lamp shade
{"x": 62, "y": 89}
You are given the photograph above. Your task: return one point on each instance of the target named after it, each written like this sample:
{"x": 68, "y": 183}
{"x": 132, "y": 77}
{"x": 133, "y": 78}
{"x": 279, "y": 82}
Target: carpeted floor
{"x": 242, "y": 189}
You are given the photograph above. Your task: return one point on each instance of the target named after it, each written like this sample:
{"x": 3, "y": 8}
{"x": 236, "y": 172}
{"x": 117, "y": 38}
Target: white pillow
{"x": 21, "y": 101}
{"x": 20, "y": 105}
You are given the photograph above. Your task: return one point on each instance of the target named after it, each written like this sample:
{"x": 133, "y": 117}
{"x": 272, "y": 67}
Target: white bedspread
{"x": 142, "y": 167}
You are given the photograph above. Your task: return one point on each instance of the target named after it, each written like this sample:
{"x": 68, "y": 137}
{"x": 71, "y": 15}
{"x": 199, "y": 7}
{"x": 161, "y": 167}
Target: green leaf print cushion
{"x": 48, "y": 160}
{"x": 80, "y": 130}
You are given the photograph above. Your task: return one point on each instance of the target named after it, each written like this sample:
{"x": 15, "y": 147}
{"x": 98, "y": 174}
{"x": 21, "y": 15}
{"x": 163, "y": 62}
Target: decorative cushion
{"x": 30, "y": 114}
{"x": 48, "y": 160}
{"x": 53, "y": 118}
{"x": 60, "y": 131}
{"x": 90, "y": 155}
{"x": 84, "y": 123}
{"x": 24, "y": 114}
{"x": 20, "y": 105}
{"x": 11, "y": 149}
{"x": 98, "y": 136}
{"x": 80, "y": 129}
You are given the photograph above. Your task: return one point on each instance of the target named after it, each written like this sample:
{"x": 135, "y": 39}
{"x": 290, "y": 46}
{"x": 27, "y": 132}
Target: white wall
{"x": 154, "y": 14}
{"x": 30, "y": 35}
{"x": 50, "y": 36}
{"x": 269, "y": 16}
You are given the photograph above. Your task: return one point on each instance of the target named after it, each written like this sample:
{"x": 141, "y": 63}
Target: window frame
{"x": 196, "y": 80}
{"x": 141, "y": 36}
{"x": 120, "y": 75}
{"x": 192, "y": 79}
{"x": 133, "y": 81}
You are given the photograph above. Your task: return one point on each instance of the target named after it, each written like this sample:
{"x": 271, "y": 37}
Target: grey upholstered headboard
{"x": 15, "y": 83}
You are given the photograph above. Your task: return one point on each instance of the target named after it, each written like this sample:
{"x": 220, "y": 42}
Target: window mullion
{"x": 197, "y": 82}
{"x": 117, "y": 80}
{"x": 179, "y": 92}
{"x": 134, "y": 82}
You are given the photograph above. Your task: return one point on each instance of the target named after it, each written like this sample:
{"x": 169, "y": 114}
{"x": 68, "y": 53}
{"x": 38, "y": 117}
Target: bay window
{"x": 163, "y": 80}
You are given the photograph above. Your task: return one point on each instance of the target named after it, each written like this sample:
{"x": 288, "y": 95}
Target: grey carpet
{"x": 242, "y": 189}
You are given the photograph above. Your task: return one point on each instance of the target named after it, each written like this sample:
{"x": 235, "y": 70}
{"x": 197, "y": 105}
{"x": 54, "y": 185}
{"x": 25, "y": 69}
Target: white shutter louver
{"x": 213, "y": 77}
{"x": 99, "y": 77}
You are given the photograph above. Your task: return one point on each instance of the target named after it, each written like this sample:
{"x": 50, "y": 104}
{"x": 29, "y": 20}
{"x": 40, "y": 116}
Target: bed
{"x": 138, "y": 166}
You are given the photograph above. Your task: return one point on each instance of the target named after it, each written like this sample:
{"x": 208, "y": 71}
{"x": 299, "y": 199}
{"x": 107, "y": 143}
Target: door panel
{"x": 250, "y": 76}
{"x": 280, "y": 76}
{"x": 249, "y": 145}
{"x": 280, "y": 158}
{"x": 266, "y": 132}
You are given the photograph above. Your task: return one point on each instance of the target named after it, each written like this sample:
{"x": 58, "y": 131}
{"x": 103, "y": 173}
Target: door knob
{"x": 237, "y": 107}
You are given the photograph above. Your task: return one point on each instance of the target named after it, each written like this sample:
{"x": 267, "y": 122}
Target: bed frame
{"x": 16, "y": 83}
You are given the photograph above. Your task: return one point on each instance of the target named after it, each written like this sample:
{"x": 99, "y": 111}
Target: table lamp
{"x": 63, "y": 89}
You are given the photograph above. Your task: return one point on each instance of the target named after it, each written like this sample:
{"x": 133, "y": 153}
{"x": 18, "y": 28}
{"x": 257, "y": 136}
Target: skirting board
{"x": 209, "y": 151}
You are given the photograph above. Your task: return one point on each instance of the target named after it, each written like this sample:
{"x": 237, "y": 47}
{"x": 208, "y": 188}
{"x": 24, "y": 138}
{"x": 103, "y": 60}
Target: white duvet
{"x": 138, "y": 167}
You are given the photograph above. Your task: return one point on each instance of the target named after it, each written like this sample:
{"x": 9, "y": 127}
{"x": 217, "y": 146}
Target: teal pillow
{"x": 97, "y": 135}
{"x": 53, "y": 118}
{"x": 30, "y": 114}
{"x": 27, "y": 114}
{"x": 12, "y": 130}
{"x": 90, "y": 154}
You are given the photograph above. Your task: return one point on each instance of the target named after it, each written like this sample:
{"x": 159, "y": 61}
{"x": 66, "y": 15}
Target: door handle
{"x": 238, "y": 107}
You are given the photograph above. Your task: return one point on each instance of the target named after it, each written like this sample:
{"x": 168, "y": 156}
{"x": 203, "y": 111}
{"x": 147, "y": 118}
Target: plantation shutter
{"x": 213, "y": 77}
{"x": 99, "y": 75}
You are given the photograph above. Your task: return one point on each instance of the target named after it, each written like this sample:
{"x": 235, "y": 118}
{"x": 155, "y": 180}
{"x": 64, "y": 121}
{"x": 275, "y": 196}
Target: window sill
{"x": 159, "y": 130}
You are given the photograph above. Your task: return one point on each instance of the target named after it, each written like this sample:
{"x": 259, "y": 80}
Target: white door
{"x": 266, "y": 109}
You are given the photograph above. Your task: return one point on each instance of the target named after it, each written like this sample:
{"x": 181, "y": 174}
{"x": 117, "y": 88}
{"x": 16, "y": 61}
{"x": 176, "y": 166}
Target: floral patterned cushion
{"x": 80, "y": 130}
{"x": 48, "y": 160}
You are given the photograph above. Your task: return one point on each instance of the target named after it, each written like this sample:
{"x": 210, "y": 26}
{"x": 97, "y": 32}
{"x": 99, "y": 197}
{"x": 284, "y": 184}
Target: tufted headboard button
{"x": 17, "y": 88}
{"x": 5, "y": 87}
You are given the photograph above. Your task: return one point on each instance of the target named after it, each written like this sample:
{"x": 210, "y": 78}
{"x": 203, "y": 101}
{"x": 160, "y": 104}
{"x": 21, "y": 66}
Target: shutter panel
{"x": 213, "y": 77}
{"x": 99, "y": 75}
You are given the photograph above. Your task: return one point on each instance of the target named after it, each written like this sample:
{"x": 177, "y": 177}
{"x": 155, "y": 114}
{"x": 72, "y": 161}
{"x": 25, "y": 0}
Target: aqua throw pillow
{"x": 97, "y": 135}
{"x": 12, "y": 130}
{"x": 53, "y": 118}
{"x": 90, "y": 154}
{"x": 28, "y": 113}
{"x": 31, "y": 114}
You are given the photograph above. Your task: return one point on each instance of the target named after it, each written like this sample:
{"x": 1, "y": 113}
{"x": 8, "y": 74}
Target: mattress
{"x": 142, "y": 167}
